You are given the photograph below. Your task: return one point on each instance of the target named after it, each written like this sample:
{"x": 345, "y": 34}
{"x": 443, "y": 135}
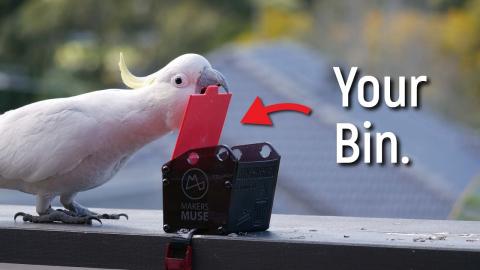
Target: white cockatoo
{"x": 63, "y": 146}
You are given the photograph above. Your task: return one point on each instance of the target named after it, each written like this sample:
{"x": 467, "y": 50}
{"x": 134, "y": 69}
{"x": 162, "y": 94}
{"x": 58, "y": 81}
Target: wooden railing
{"x": 293, "y": 242}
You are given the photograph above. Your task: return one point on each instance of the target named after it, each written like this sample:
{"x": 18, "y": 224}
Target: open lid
{"x": 203, "y": 120}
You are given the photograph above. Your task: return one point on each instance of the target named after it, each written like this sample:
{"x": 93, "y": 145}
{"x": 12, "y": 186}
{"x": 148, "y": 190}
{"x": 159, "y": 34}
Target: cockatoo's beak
{"x": 210, "y": 76}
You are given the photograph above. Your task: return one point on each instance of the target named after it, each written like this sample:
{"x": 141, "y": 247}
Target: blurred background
{"x": 281, "y": 50}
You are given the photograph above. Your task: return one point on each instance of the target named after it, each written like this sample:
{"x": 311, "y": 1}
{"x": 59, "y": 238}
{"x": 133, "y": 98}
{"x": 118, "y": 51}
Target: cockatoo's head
{"x": 189, "y": 73}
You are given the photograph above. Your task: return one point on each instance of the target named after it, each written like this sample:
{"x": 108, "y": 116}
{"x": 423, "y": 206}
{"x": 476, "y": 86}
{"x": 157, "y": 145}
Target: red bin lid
{"x": 203, "y": 120}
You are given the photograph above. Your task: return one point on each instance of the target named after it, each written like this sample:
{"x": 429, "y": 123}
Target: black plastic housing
{"x": 219, "y": 190}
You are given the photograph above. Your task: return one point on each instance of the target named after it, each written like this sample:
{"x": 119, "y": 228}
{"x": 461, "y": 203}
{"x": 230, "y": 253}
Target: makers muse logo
{"x": 195, "y": 184}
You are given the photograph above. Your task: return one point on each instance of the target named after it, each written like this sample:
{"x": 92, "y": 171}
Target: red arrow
{"x": 258, "y": 114}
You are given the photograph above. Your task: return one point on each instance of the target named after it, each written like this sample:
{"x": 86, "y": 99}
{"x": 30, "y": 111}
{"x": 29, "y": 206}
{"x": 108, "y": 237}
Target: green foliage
{"x": 438, "y": 38}
{"x": 468, "y": 206}
{"x": 13, "y": 99}
{"x": 68, "y": 47}
{"x": 462, "y": 41}
{"x": 279, "y": 19}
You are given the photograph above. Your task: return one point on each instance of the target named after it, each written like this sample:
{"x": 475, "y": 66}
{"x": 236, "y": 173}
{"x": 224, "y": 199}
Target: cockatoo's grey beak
{"x": 210, "y": 76}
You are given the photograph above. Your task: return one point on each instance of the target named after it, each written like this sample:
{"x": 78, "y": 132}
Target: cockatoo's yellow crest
{"x": 129, "y": 79}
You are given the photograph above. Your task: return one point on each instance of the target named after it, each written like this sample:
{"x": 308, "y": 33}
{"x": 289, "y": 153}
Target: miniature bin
{"x": 220, "y": 190}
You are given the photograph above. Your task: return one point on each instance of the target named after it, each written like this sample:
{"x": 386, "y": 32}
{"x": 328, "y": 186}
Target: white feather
{"x": 62, "y": 146}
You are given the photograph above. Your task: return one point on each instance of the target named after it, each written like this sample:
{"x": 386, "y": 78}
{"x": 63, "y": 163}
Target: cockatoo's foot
{"x": 112, "y": 216}
{"x": 58, "y": 216}
{"x": 86, "y": 212}
{"x": 77, "y": 209}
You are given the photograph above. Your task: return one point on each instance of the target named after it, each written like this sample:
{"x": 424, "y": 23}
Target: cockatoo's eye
{"x": 180, "y": 80}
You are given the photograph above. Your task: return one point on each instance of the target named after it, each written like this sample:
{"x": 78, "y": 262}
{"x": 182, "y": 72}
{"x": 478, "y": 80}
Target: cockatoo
{"x": 60, "y": 147}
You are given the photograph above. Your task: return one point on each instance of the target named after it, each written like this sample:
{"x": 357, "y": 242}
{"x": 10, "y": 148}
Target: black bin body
{"x": 219, "y": 190}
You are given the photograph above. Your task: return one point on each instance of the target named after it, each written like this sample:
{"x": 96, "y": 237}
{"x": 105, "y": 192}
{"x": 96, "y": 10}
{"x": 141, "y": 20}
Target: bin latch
{"x": 178, "y": 252}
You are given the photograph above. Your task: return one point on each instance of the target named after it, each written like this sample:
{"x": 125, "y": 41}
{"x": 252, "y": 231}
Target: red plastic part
{"x": 203, "y": 120}
{"x": 172, "y": 263}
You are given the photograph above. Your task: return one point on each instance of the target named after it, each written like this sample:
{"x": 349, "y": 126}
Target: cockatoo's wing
{"x": 45, "y": 139}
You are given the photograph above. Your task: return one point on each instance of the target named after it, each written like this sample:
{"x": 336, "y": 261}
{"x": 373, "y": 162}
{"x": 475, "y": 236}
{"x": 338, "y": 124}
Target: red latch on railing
{"x": 182, "y": 262}
{"x": 178, "y": 253}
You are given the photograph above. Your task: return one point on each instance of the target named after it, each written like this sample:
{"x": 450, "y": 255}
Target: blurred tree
{"x": 68, "y": 47}
{"x": 461, "y": 39}
{"x": 439, "y": 38}
{"x": 468, "y": 205}
{"x": 444, "y": 5}
{"x": 279, "y": 19}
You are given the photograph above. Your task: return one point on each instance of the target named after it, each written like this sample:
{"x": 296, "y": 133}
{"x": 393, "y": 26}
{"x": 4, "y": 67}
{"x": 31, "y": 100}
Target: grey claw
{"x": 104, "y": 216}
{"x": 90, "y": 219}
{"x": 18, "y": 215}
{"x": 112, "y": 216}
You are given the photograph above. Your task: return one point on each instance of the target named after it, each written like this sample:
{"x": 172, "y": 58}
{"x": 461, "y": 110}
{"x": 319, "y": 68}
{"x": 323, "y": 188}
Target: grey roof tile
{"x": 307, "y": 145}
